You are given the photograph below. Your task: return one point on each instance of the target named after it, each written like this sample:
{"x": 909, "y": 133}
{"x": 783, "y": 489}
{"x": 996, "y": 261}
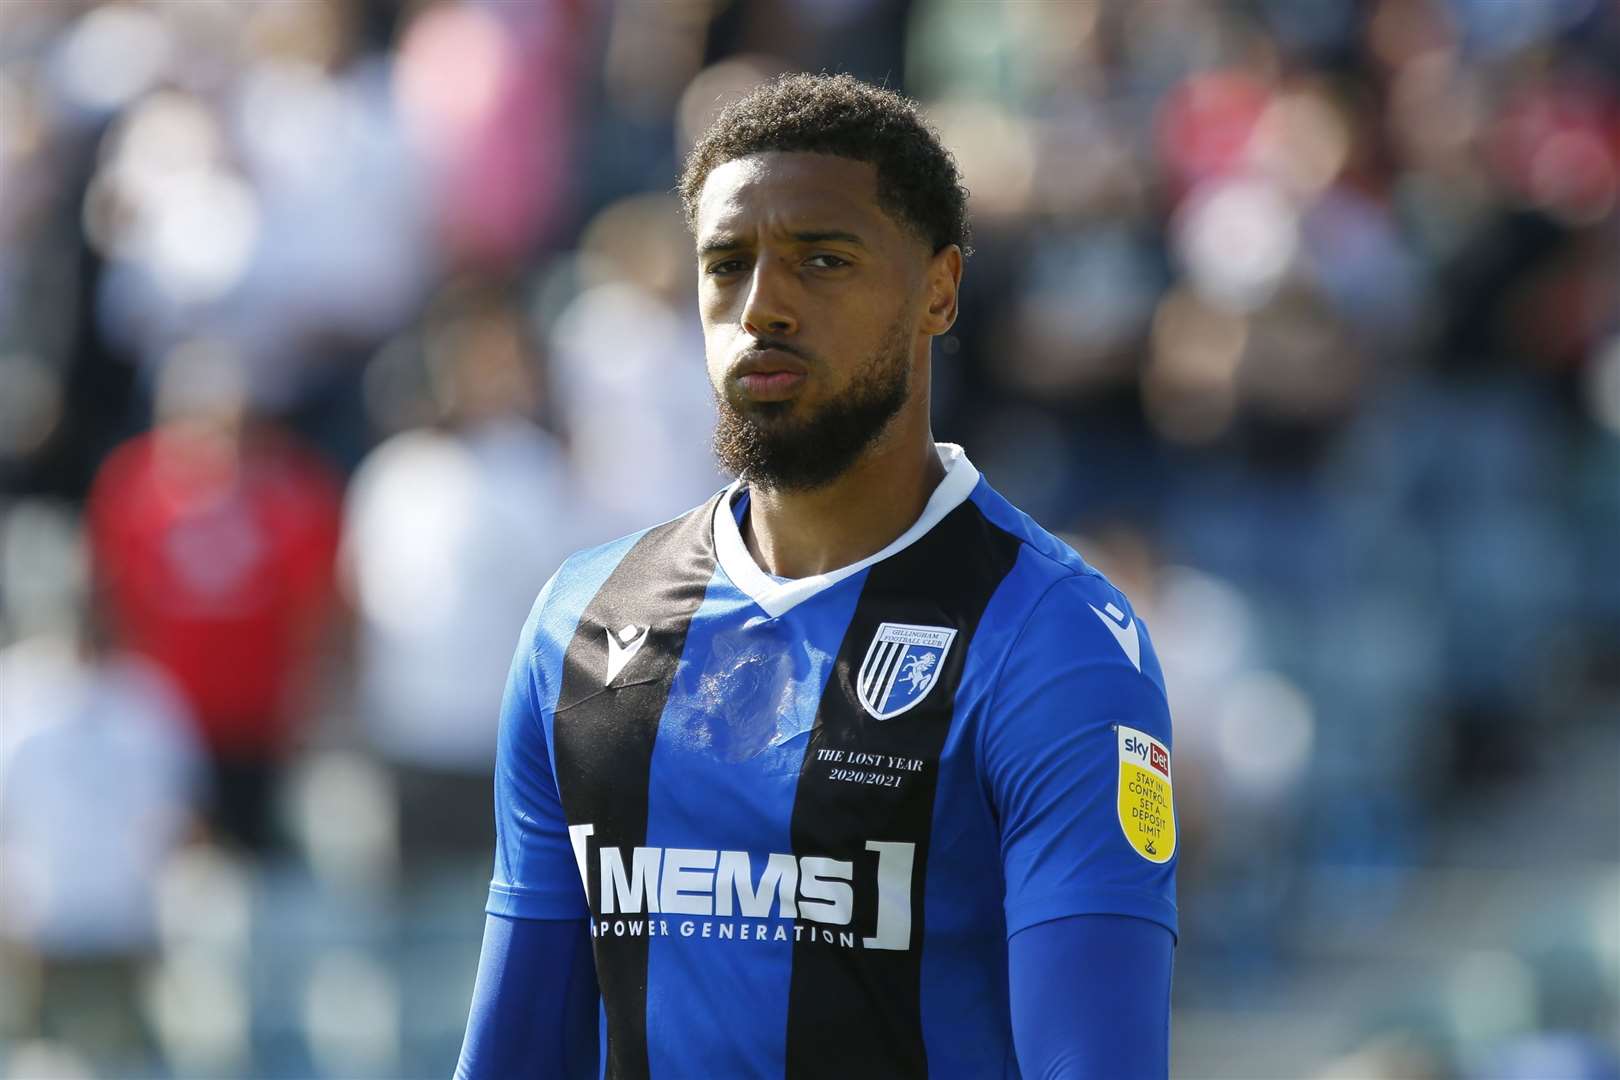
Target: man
{"x": 214, "y": 538}
{"x": 853, "y": 770}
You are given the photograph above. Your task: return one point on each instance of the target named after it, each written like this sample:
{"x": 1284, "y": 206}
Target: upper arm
{"x": 536, "y": 875}
{"x": 1075, "y": 756}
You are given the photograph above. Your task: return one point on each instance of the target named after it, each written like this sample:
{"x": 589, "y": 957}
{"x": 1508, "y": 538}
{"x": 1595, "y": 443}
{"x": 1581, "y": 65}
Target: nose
{"x": 768, "y": 311}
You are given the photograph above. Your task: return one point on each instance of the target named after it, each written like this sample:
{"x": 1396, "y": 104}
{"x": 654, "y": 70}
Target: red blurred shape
{"x": 216, "y": 561}
{"x": 1557, "y": 143}
{"x": 1205, "y": 125}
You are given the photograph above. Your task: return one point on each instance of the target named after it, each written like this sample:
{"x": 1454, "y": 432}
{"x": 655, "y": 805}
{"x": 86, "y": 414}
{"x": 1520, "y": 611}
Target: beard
{"x": 764, "y": 445}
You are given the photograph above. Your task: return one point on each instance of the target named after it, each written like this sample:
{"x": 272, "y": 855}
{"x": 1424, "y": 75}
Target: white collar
{"x": 778, "y": 597}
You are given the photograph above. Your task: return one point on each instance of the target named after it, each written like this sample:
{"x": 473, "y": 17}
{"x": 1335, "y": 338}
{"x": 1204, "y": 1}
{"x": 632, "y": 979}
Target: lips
{"x": 769, "y": 374}
{"x": 768, "y": 362}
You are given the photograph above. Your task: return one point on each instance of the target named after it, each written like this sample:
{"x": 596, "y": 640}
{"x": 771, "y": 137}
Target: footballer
{"x": 854, "y": 770}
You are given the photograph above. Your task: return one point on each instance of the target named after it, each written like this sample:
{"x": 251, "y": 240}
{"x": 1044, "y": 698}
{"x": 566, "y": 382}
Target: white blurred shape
{"x": 111, "y": 56}
{"x": 202, "y": 232}
{"x": 1205, "y": 629}
{"x": 1602, "y": 385}
{"x": 92, "y": 801}
{"x": 351, "y": 1011}
{"x": 44, "y": 569}
{"x": 293, "y": 115}
{"x": 1265, "y": 728}
{"x": 344, "y": 810}
{"x": 344, "y": 235}
{"x": 160, "y": 193}
{"x": 630, "y": 377}
{"x": 168, "y": 133}
{"x": 400, "y": 579}
{"x": 1490, "y": 995}
{"x": 40, "y": 679}
{"x": 448, "y": 537}
{"x": 204, "y": 901}
{"x": 1604, "y": 912}
{"x": 1237, "y": 237}
{"x": 199, "y": 1006}
{"x": 42, "y": 1059}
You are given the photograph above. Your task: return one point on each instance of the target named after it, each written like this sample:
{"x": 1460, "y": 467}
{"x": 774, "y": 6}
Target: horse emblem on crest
{"x": 902, "y": 664}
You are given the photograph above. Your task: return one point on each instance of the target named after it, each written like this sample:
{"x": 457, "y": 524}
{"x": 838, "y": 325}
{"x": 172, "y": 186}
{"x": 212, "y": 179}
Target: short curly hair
{"x": 917, "y": 180}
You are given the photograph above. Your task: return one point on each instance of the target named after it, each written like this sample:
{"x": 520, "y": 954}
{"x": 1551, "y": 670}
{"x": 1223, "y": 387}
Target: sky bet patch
{"x": 1146, "y": 812}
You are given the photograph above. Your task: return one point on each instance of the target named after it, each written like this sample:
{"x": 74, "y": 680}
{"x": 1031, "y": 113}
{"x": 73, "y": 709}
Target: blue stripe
{"x": 725, "y": 772}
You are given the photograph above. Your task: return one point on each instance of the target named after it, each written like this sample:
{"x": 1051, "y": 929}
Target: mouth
{"x": 769, "y": 374}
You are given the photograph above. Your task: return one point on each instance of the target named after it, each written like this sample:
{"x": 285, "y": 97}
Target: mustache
{"x": 760, "y": 345}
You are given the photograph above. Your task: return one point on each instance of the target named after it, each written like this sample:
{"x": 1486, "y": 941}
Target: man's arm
{"x": 534, "y": 1009}
{"x": 1112, "y": 1020}
{"x": 1075, "y": 751}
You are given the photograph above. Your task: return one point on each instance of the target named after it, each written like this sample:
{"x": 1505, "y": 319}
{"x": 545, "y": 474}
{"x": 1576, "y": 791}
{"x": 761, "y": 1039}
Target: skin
{"x": 767, "y": 277}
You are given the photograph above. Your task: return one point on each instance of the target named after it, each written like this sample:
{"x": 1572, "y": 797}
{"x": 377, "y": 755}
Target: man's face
{"x": 815, "y": 303}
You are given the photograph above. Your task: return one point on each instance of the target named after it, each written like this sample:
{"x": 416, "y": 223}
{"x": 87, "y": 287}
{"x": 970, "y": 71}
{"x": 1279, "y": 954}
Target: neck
{"x": 799, "y": 533}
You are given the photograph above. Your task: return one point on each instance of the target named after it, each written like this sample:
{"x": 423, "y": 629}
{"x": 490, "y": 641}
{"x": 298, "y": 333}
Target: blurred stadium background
{"x": 328, "y": 326}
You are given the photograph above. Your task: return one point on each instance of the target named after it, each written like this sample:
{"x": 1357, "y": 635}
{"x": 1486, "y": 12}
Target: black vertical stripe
{"x": 857, "y": 1011}
{"x": 604, "y": 739}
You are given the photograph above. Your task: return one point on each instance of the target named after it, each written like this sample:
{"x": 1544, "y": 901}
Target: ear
{"x": 943, "y": 280}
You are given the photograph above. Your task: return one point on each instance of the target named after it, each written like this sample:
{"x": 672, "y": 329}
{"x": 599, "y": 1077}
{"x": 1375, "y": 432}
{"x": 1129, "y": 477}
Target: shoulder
{"x": 1060, "y": 609}
{"x": 563, "y": 599}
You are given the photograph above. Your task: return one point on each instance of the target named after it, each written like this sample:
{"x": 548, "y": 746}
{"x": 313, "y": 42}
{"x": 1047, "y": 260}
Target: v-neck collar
{"x": 779, "y": 597}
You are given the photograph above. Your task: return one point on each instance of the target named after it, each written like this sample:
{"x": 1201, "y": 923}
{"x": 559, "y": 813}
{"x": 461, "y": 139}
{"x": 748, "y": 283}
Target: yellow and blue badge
{"x": 1146, "y": 810}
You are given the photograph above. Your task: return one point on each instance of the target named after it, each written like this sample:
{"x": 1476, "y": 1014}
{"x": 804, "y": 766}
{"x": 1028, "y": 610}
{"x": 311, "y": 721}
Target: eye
{"x": 725, "y": 266}
{"x": 834, "y": 260}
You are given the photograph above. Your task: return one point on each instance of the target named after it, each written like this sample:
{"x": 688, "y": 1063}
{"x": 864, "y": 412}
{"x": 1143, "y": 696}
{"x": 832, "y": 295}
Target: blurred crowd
{"x": 327, "y": 328}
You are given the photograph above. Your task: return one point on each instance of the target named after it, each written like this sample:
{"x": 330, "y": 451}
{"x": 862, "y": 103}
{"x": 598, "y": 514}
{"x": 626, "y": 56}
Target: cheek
{"x": 717, "y": 349}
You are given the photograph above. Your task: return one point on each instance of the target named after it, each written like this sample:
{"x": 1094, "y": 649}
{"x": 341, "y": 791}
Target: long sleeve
{"x": 1090, "y": 997}
{"x": 534, "y": 1007}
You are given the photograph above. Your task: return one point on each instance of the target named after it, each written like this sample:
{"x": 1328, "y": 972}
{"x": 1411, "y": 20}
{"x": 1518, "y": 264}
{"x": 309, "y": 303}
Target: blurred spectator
{"x": 450, "y": 532}
{"x": 213, "y": 540}
{"x": 628, "y": 358}
{"x": 99, "y": 791}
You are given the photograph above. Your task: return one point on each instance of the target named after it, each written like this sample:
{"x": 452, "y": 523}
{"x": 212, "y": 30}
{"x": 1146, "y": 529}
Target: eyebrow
{"x": 811, "y": 236}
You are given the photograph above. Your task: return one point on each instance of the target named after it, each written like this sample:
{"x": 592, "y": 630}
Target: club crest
{"x": 902, "y": 664}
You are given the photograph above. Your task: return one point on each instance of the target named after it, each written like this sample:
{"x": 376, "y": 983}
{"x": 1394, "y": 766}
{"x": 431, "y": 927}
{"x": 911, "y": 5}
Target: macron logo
{"x": 622, "y": 646}
{"x": 1124, "y": 632}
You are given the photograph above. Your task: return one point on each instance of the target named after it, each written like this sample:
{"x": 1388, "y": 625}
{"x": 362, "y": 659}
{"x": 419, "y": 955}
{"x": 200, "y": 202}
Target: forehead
{"x": 794, "y": 190}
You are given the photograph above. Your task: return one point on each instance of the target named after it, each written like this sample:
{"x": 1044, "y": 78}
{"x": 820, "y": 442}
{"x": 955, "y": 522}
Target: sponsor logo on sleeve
{"x": 1146, "y": 810}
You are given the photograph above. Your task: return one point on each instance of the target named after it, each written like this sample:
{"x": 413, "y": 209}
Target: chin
{"x": 767, "y": 412}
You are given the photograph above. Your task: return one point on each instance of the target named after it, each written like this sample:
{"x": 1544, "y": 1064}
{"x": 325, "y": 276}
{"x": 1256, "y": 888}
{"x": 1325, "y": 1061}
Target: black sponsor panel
{"x": 604, "y": 738}
{"x": 857, "y": 1011}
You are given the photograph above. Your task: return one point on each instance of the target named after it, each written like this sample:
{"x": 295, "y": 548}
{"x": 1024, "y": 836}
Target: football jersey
{"x": 804, "y": 816}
